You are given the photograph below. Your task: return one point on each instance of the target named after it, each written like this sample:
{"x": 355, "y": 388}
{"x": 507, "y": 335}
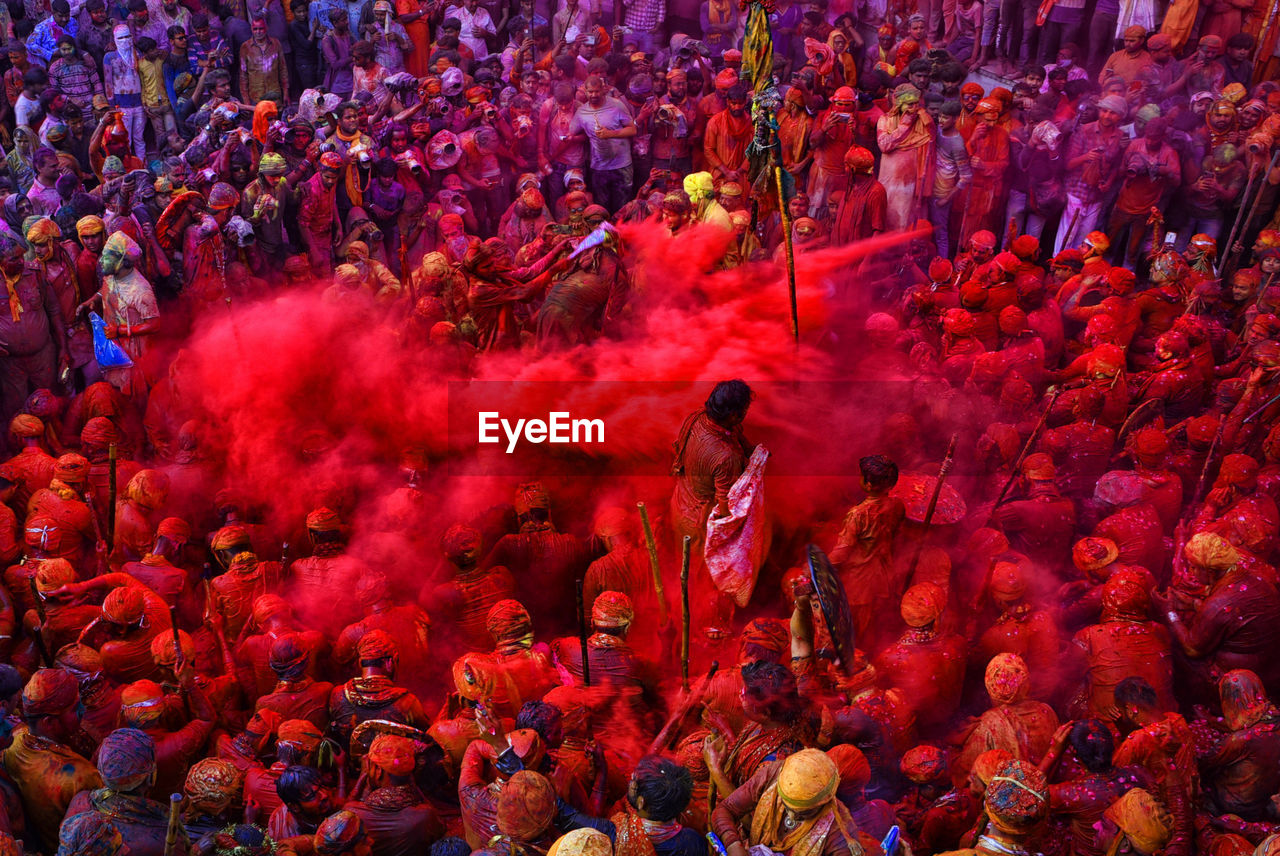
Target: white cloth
{"x": 737, "y": 543}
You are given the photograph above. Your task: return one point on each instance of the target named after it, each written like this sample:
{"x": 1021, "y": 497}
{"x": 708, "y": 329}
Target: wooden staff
{"x": 37, "y": 633}
{"x": 177, "y": 640}
{"x": 684, "y": 613}
{"x": 582, "y": 635}
{"x": 1011, "y": 234}
{"x": 1066, "y": 236}
{"x": 947, "y": 460}
{"x": 663, "y": 740}
{"x": 1253, "y": 210}
{"x": 112, "y": 459}
{"x": 1026, "y": 449}
{"x": 1235, "y": 225}
{"x": 175, "y": 833}
{"x": 786, "y": 239}
{"x": 653, "y": 563}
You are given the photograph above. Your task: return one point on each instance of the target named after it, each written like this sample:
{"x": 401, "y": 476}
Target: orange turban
{"x": 1207, "y": 550}
{"x": 393, "y": 754}
{"x": 49, "y": 692}
{"x": 1006, "y": 679}
{"x": 26, "y": 425}
{"x": 526, "y": 806}
{"x": 324, "y": 520}
{"x": 71, "y": 468}
{"x": 142, "y": 703}
{"x": 124, "y": 605}
{"x": 508, "y": 620}
{"x": 229, "y": 536}
{"x": 808, "y": 779}
{"x": 924, "y": 764}
{"x": 301, "y": 733}
{"x": 212, "y": 784}
{"x": 922, "y": 604}
{"x": 612, "y": 609}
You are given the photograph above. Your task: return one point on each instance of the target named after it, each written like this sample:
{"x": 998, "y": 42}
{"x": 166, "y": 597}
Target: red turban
{"x": 142, "y": 703}
{"x": 212, "y": 784}
{"x": 940, "y": 270}
{"x": 1039, "y": 467}
{"x": 324, "y": 520}
{"x": 851, "y": 764}
{"x": 53, "y": 573}
{"x": 229, "y": 536}
{"x": 458, "y": 540}
{"x": 1025, "y": 247}
{"x": 26, "y": 425}
{"x": 301, "y": 733}
{"x": 175, "y": 529}
{"x": 340, "y": 833}
{"x": 377, "y": 645}
{"x": 124, "y": 605}
{"x": 148, "y": 488}
{"x": 1125, "y": 596}
{"x": 1238, "y": 471}
{"x": 611, "y": 609}
{"x": 986, "y": 764}
{"x": 268, "y": 606}
{"x": 393, "y": 754}
{"x": 531, "y": 495}
{"x": 71, "y": 469}
{"x": 972, "y": 88}
{"x": 508, "y": 620}
{"x": 126, "y": 759}
{"x": 1092, "y": 554}
{"x": 100, "y": 432}
{"x": 1013, "y": 321}
{"x": 924, "y": 764}
{"x": 768, "y": 634}
{"x": 1150, "y": 443}
{"x": 1006, "y": 679}
{"x": 162, "y": 648}
{"x": 288, "y": 659}
{"x": 49, "y": 692}
{"x": 1244, "y": 700}
{"x": 859, "y": 159}
{"x": 1007, "y": 581}
{"x": 526, "y": 806}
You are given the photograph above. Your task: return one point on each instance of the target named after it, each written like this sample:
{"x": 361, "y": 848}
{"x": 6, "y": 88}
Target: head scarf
{"x": 272, "y": 164}
{"x": 123, "y": 38}
{"x": 1244, "y": 700}
{"x": 288, "y": 658}
{"x": 90, "y": 224}
{"x": 301, "y": 733}
{"x": 89, "y": 834}
{"x": 699, "y": 186}
{"x": 126, "y": 759}
{"x": 122, "y": 245}
{"x": 1208, "y": 550}
{"x": 1143, "y": 818}
{"x": 768, "y": 634}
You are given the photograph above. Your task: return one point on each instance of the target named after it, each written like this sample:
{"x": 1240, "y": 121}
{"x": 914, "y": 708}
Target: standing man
{"x": 608, "y": 127}
{"x": 124, "y": 88}
{"x": 263, "y": 72}
{"x": 31, "y": 330}
{"x": 1093, "y": 160}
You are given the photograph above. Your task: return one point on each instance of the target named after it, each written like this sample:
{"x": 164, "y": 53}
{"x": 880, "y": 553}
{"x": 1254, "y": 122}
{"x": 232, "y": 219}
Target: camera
{"x": 406, "y": 159}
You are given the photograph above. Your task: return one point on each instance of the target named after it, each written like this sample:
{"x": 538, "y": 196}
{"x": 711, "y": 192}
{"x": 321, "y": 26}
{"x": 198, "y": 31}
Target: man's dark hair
{"x": 542, "y": 717}
{"x": 950, "y": 108}
{"x": 665, "y": 785}
{"x": 566, "y": 64}
{"x": 23, "y": 28}
{"x": 146, "y": 44}
{"x": 729, "y": 399}
{"x": 450, "y": 846}
{"x": 176, "y": 30}
{"x": 1240, "y": 40}
{"x": 951, "y": 72}
{"x": 813, "y": 18}
{"x": 65, "y": 39}
{"x": 1033, "y": 69}
{"x": 772, "y": 687}
{"x": 1137, "y": 691}
{"x": 879, "y": 471}
{"x": 60, "y": 7}
{"x": 1093, "y": 744}
{"x": 11, "y": 682}
{"x": 451, "y": 24}
{"x": 34, "y": 76}
{"x": 1075, "y": 88}
{"x": 919, "y": 66}
{"x": 295, "y": 782}
{"x": 737, "y": 92}
{"x": 1057, "y": 73}
{"x": 199, "y": 22}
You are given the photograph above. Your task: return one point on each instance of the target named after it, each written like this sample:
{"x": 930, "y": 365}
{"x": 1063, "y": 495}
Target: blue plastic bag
{"x": 106, "y": 351}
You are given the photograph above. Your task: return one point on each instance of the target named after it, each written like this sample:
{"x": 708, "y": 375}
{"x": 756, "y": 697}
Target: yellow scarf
{"x": 15, "y": 302}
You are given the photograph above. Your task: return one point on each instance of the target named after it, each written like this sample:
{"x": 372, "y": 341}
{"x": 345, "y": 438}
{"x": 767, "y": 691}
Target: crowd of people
{"x": 1074, "y": 280}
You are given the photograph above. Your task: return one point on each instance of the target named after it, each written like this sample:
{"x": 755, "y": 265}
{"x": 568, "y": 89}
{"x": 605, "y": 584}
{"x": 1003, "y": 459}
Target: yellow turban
{"x": 1143, "y": 818}
{"x": 807, "y": 780}
{"x": 1207, "y": 550}
{"x": 698, "y": 186}
{"x": 90, "y": 225}
{"x": 43, "y": 230}
{"x": 582, "y": 842}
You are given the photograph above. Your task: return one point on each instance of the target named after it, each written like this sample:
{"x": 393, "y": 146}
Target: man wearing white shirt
{"x": 476, "y": 24}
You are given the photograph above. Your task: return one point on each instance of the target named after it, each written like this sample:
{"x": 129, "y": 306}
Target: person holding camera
{"x": 1150, "y": 166}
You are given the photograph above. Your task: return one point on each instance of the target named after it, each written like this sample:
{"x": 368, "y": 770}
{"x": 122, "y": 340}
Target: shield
{"x": 916, "y": 489}
{"x": 833, "y": 602}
